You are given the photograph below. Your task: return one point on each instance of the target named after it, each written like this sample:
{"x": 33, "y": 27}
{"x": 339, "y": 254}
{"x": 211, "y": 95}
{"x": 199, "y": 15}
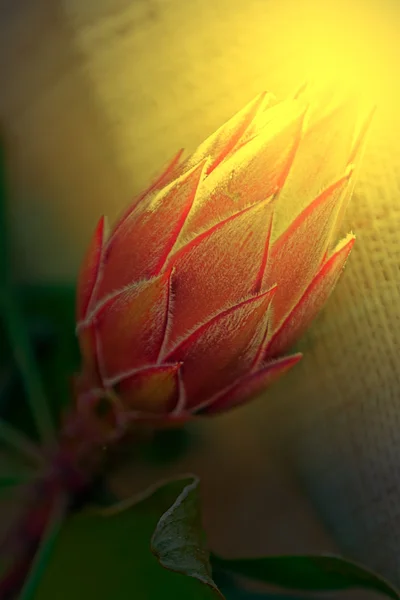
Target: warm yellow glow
{"x": 352, "y": 44}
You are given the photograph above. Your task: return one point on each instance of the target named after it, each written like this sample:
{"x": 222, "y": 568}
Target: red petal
{"x": 251, "y": 174}
{"x": 150, "y": 390}
{"x": 318, "y": 292}
{"x": 142, "y": 243}
{"x": 218, "y": 268}
{"x": 172, "y": 170}
{"x": 220, "y": 143}
{"x": 249, "y": 386}
{"x": 90, "y": 270}
{"x": 221, "y": 349}
{"x": 130, "y": 327}
{"x": 322, "y": 157}
{"x": 296, "y": 256}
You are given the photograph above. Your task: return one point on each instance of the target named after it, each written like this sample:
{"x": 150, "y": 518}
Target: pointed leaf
{"x": 142, "y": 243}
{"x": 315, "y": 297}
{"x": 179, "y": 542}
{"x": 130, "y": 327}
{"x": 246, "y": 388}
{"x": 105, "y": 554}
{"x": 322, "y": 157}
{"x": 296, "y": 256}
{"x": 225, "y": 347}
{"x": 220, "y": 143}
{"x": 324, "y": 573}
{"x": 263, "y": 116}
{"x": 251, "y": 174}
{"x": 355, "y": 159}
{"x": 171, "y": 171}
{"x": 218, "y": 268}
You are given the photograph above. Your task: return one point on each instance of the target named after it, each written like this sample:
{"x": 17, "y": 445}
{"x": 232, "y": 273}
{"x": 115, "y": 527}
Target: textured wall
{"x": 95, "y": 96}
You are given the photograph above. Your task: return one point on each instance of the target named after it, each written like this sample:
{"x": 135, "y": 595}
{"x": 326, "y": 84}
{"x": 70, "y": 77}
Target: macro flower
{"x": 190, "y": 303}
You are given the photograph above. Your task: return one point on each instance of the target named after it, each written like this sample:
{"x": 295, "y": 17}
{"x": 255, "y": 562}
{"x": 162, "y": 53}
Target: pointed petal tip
{"x": 344, "y": 246}
{"x": 234, "y": 335}
{"x": 312, "y": 301}
{"x": 362, "y": 135}
{"x": 349, "y": 171}
{"x": 291, "y": 359}
{"x": 248, "y": 387}
{"x": 348, "y": 240}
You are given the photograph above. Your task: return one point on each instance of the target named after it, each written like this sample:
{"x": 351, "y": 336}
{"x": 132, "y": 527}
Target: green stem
{"x": 46, "y": 546}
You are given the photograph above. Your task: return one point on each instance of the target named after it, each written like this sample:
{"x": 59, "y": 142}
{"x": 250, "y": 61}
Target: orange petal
{"x": 170, "y": 172}
{"x": 220, "y": 143}
{"x": 250, "y": 175}
{"x": 249, "y": 386}
{"x": 221, "y": 349}
{"x": 89, "y": 271}
{"x": 321, "y": 158}
{"x": 268, "y": 111}
{"x": 142, "y": 243}
{"x": 296, "y": 256}
{"x": 130, "y": 327}
{"x": 150, "y": 390}
{"x": 318, "y": 292}
{"x": 218, "y": 268}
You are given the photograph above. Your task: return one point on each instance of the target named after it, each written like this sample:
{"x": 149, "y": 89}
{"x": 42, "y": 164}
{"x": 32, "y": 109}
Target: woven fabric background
{"x": 96, "y": 96}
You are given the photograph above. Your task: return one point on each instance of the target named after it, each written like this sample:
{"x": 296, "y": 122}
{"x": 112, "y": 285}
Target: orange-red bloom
{"x": 214, "y": 271}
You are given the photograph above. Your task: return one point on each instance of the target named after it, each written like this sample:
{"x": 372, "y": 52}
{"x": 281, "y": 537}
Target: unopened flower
{"x": 189, "y": 304}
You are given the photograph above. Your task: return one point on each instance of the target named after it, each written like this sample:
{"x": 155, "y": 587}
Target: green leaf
{"x": 308, "y": 573}
{"x": 179, "y": 541}
{"x": 106, "y": 553}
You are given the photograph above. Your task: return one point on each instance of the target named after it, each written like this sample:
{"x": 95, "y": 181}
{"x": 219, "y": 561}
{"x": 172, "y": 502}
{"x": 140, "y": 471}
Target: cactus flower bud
{"x": 189, "y": 304}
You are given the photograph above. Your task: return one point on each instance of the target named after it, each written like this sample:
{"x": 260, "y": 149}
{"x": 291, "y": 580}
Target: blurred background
{"x": 96, "y": 96}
